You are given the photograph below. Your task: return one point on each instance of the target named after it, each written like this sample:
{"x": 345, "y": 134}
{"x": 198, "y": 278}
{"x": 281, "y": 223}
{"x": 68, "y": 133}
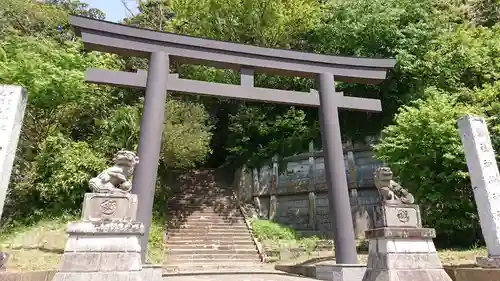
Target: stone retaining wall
{"x": 293, "y": 190}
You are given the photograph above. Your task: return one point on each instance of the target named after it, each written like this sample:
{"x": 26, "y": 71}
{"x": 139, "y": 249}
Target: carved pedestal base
{"x": 104, "y": 245}
{"x": 400, "y": 250}
{"x": 398, "y": 254}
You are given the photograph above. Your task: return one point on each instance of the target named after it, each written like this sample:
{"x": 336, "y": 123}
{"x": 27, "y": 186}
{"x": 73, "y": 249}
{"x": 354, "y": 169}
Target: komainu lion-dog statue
{"x": 115, "y": 179}
{"x": 389, "y": 189}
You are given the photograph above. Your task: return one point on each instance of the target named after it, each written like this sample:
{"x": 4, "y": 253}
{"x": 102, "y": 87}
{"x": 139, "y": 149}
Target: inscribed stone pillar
{"x": 12, "y": 106}
{"x": 483, "y": 171}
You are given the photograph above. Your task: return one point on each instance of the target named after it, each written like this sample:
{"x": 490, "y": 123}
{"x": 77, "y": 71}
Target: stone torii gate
{"x": 163, "y": 48}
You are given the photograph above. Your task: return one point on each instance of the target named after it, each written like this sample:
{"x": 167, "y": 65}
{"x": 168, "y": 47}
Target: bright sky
{"x": 114, "y": 9}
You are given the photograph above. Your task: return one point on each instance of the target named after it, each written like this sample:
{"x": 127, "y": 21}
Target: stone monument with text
{"x": 104, "y": 244}
{"x": 485, "y": 179}
{"x": 12, "y": 106}
{"x": 400, "y": 249}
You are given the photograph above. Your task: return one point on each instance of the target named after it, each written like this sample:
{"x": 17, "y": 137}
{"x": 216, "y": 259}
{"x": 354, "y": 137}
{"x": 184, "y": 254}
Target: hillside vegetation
{"x": 447, "y": 65}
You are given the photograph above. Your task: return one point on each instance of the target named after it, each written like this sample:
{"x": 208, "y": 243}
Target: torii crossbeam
{"x": 163, "y": 48}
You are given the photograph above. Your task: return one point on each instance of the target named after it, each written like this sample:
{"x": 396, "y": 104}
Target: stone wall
{"x": 293, "y": 191}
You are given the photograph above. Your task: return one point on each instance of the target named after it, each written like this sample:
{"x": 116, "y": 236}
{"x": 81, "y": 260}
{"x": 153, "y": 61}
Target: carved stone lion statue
{"x": 115, "y": 179}
{"x": 389, "y": 189}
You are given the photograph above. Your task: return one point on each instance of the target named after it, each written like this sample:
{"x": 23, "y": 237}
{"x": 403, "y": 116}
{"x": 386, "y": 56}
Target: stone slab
{"x": 400, "y": 261}
{"x": 104, "y": 206}
{"x": 27, "y": 276}
{"x": 396, "y": 214}
{"x": 105, "y": 227}
{"x": 152, "y": 272}
{"x": 477, "y": 274}
{"x": 390, "y": 245}
{"x": 340, "y": 272}
{"x": 488, "y": 262}
{"x": 98, "y": 276}
{"x": 95, "y": 243}
{"x": 406, "y": 275}
{"x": 484, "y": 175}
{"x": 12, "y": 106}
{"x": 401, "y": 232}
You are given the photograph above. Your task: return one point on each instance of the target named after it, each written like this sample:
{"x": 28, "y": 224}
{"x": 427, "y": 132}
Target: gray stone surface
{"x": 395, "y": 214}
{"x": 104, "y": 206}
{"x": 12, "y": 106}
{"x": 151, "y": 272}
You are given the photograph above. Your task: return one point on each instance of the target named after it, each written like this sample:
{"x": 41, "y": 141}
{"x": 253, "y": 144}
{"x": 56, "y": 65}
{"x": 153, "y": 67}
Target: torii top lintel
{"x": 127, "y": 40}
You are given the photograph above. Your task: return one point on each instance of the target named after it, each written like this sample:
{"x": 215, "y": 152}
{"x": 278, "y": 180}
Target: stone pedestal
{"x": 104, "y": 245}
{"x": 400, "y": 249}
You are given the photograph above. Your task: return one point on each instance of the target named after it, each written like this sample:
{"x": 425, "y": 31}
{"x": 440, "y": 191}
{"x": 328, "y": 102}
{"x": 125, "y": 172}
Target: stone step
{"x": 174, "y": 267}
{"x": 213, "y": 233}
{"x": 210, "y": 229}
{"x": 174, "y": 252}
{"x": 206, "y": 241}
{"x": 208, "y": 221}
{"x": 227, "y": 225}
{"x": 193, "y": 229}
{"x": 206, "y": 212}
{"x": 221, "y": 247}
{"x": 208, "y": 237}
{"x": 212, "y": 226}
{"x": 213, "y": 257}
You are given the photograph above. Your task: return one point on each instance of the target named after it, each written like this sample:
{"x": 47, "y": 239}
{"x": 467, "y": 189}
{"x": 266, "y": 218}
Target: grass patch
{"x": 40, "y": 246}
{"x": 276, "y": 237}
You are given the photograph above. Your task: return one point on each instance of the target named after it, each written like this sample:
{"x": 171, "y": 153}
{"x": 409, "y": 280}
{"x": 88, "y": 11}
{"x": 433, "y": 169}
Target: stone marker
{"x": 12, "y": 106}
{"x": 400, "y": 249}
{"x": 104, "y": 244}
{"x": 483, "y": 171}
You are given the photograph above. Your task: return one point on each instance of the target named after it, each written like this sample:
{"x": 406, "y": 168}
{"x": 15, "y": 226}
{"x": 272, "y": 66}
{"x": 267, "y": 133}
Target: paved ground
{"x": 236, "y": 276}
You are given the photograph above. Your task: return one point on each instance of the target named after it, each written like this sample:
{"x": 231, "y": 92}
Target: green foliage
{"x": 424, "y": 149}
{"x": 187, "y": 134}
{"x": 268, "y": 230}
{"x": 72, "y": 128}
{"x": 62, "y": 170}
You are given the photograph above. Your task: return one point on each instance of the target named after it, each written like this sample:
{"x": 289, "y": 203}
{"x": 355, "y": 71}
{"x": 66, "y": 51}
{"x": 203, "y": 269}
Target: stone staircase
{"x": 206, "y": 229}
